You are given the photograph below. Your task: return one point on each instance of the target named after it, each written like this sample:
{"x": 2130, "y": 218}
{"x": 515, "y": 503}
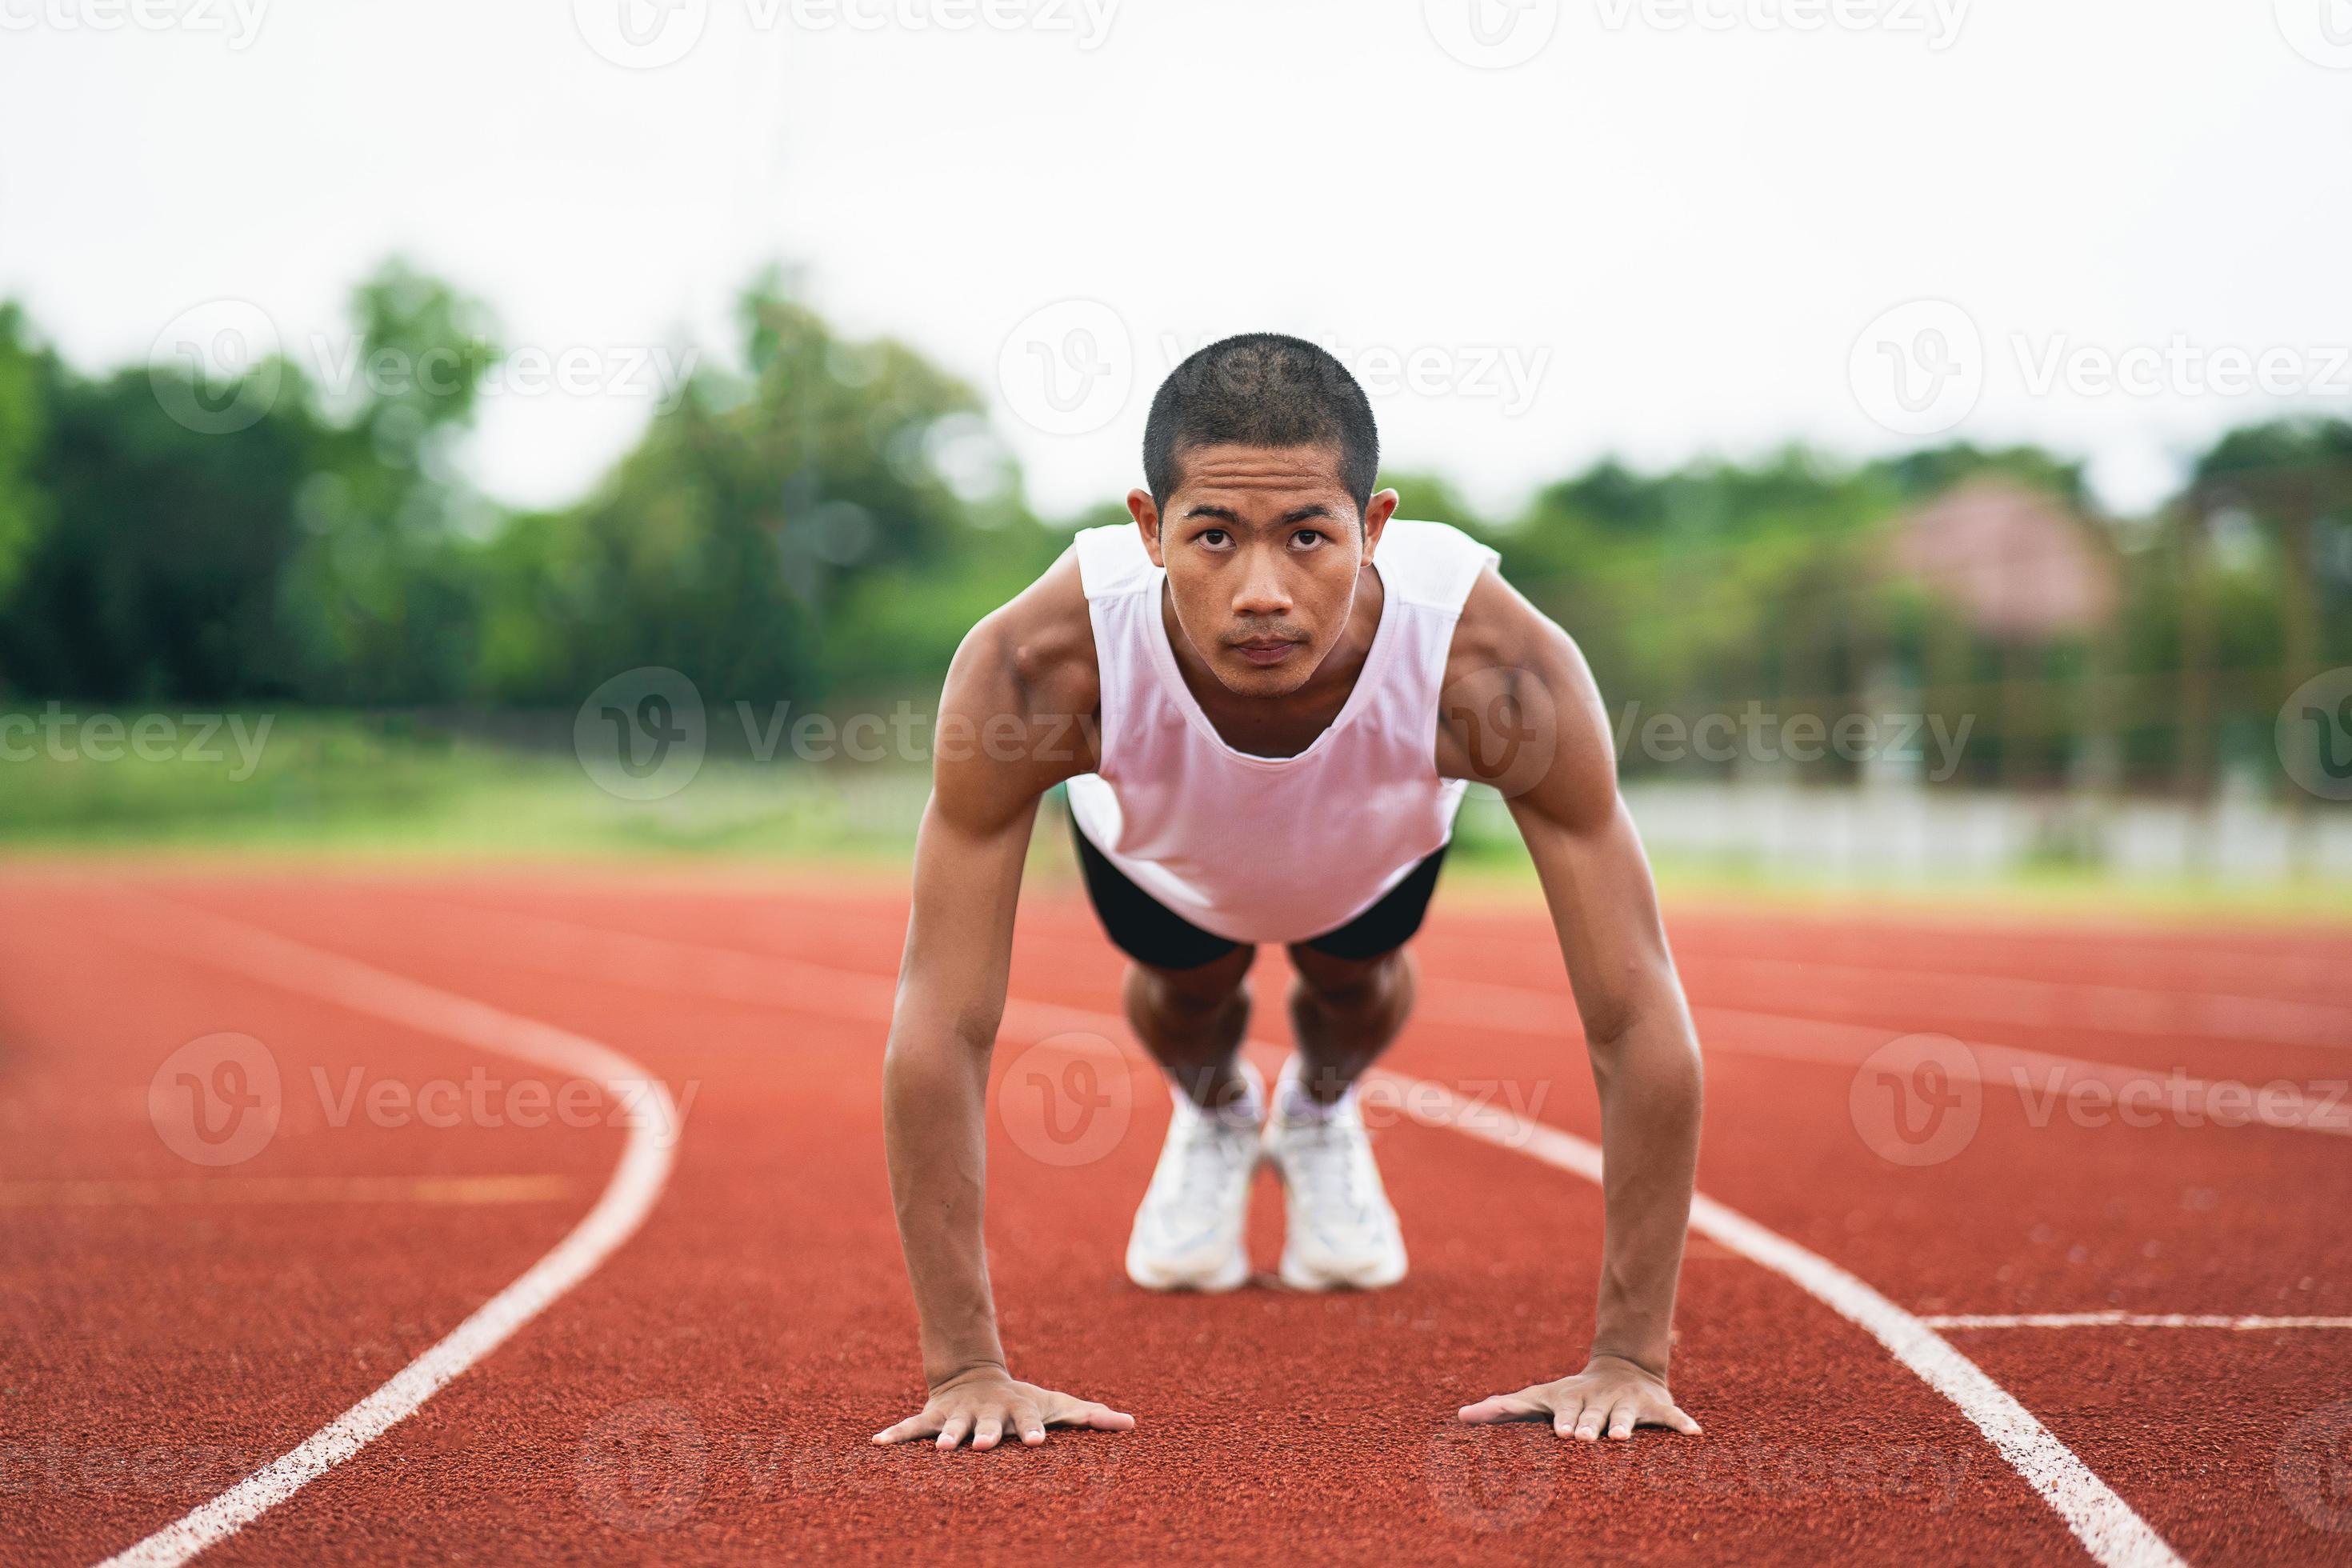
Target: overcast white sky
{"x": 1673, "y": 226}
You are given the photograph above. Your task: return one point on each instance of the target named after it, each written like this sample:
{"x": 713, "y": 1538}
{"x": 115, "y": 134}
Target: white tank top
{"x": 1271, "y": 848}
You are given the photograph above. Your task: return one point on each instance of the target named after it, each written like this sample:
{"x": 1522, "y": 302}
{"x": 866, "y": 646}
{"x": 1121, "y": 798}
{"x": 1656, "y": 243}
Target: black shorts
{"x": 1149, "y": 932}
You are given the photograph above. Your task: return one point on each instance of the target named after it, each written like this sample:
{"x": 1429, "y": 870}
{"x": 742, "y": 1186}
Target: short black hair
{"x": 1262, "y": 389}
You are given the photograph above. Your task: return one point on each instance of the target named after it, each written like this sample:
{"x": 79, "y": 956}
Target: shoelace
{"x": 1325, "y": 1166}
{"x": 1201, "y": 1180}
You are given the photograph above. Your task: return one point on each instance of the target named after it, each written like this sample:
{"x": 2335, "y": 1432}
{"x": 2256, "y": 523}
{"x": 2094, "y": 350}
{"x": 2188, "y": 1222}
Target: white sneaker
{"x": 1189, "y": 1231}
{"x": 1343, "y": 1232}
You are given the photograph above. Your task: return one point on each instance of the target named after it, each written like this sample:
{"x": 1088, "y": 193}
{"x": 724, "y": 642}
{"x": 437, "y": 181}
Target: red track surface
{"x": 707, "y": 1393}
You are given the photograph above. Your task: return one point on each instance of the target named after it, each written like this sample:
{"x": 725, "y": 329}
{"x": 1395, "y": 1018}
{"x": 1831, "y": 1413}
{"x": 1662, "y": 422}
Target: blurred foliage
{"x": 24, "y": 509}
{"x": 822, "y": 517}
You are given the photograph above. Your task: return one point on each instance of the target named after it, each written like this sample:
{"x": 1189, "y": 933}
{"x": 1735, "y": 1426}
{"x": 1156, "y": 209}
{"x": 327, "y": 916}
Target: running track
{"x": 661, "y": 1325}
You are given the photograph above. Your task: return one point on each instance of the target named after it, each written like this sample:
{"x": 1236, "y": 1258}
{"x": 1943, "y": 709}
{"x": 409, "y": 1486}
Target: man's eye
{"x": 1216, "y": 538}
{"x": 1306, "y": 537}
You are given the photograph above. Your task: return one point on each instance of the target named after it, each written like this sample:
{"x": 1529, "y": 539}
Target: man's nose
{"x": 1263, "y": 591}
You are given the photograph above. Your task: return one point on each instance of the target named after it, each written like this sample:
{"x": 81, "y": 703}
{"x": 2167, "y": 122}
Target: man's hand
{"x": 1610, "y": 1394}
{"x": 986, "y": 1402}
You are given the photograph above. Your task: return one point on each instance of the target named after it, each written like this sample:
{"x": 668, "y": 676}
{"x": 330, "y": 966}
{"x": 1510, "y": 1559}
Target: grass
{"x": 330, "y": 784}
{"x": 370, "y": 789}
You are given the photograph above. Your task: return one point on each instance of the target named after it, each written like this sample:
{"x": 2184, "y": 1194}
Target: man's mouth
{"x": 1266, "y": 650}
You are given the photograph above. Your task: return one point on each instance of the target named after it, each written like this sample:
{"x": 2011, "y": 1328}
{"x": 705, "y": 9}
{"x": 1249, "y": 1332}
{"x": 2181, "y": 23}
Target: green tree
{"x": 380, "y": 600}
{"x": 25, "y": 374}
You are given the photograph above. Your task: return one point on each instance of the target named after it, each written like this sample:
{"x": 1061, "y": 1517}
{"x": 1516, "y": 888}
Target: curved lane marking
{"x": 650, "y": 1116}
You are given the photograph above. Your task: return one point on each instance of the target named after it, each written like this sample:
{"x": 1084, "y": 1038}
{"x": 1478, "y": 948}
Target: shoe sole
{"x": 1231, "y": 1275}
{"x": 1298, "y": 1276}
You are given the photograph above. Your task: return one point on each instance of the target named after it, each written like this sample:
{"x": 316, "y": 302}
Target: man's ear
{"x": 1377, "y": 512}
{"x": 1146, "y": 512}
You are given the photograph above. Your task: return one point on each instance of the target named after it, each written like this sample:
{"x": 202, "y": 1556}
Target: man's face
{"x": 1261, "y": 548}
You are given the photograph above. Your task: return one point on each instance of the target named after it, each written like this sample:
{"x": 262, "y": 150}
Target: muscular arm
{"x": 1521, "y": 713}
{"x": 1004, "y": 739}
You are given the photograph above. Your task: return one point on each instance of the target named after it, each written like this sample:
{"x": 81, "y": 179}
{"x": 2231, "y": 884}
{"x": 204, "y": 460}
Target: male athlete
{"x": 1266, "y": 698}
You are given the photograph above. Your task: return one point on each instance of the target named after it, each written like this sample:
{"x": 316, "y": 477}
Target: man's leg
{"x": 1193, "y": 1021}
{"x": 1344, "y": 1013}
{"x": 1188, "y": 1232}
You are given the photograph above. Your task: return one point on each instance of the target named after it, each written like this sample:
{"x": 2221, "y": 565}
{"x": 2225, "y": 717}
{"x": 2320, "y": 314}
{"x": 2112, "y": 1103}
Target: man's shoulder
{"x": 1434, "y": 564}
{"x": 1498, "y": 625}
{"x": 1519, "y": 710}
{"x": 1036, "y": 650}
{"x": 1111, "y": 561}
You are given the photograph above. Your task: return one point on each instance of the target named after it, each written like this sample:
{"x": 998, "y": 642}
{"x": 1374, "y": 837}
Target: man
{"x": 1267, "y": 698}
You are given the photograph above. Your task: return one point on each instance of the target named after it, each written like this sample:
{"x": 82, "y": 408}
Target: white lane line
{"x": 2039, "y": 1077}
{"x": 546, "y": 942}
{"x": 649, "y": 1114}
{"x": 2108, "y": 1526}
{"x": 2062, "y": 1004}
{"x": 2124, "y": 1320}
{"x": 2078, "y": 1004}
{"x": 2139, "y": 1097}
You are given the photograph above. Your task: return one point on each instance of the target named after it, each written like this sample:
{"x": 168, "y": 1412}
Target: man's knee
{"x": 1198, "y": 992}
{"x": 1349, "y": 985}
